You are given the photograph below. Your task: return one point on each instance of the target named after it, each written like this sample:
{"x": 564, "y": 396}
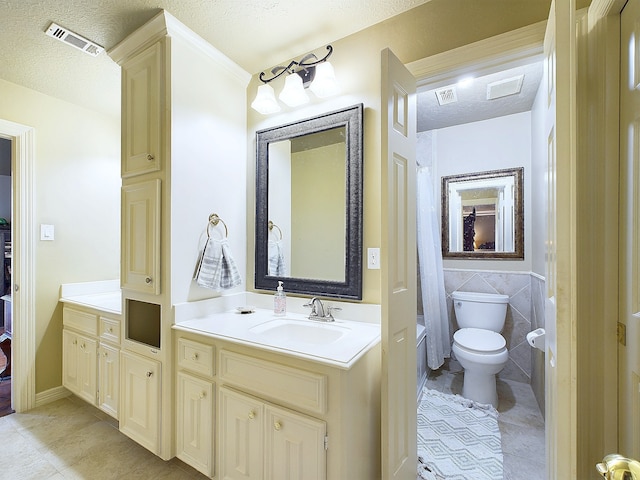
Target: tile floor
{"x": 520, "y": 421}
{"x": 69, "y": 439}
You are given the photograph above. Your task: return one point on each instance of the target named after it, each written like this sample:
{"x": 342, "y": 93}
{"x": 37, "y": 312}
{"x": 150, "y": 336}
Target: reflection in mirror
{"x": 307, "y": 177}
{"x": 483, "y": 215}
{"x": 309, "y": 205}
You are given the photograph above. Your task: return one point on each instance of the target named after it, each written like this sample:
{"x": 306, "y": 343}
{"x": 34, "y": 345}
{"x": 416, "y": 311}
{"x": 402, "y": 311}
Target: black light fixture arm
{"x": 304, "y": 63}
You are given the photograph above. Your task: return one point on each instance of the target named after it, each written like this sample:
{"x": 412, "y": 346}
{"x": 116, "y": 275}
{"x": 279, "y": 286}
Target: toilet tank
{"x": 480, "y": 310}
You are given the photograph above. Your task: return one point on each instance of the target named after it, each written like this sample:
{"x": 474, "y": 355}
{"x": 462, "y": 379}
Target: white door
{"x": 629, "y": 354}
{"x": 560, "y": 389}
{"x": 398, "y": 270}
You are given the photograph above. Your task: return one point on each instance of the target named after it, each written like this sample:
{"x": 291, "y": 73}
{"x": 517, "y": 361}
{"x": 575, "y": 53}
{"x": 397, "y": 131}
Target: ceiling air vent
{"x": 73, "y": 39}
{"x": 446, "y": 95}
{"x": 504, "y": 88}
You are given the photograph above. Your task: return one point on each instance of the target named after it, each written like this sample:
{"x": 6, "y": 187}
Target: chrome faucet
{"x": 318, "y": 310}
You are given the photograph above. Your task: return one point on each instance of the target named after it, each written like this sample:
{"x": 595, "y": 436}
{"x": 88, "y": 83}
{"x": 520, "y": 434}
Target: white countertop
{"x": 102, "y": 295}
{"x": 355, "y": 338}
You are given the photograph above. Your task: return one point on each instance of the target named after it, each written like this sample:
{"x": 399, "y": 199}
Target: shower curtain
{"x": 431, "y": 272}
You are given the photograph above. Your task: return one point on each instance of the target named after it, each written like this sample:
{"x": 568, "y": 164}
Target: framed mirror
{"x": 309, "y": 206}
{"x": 483, "y": 215}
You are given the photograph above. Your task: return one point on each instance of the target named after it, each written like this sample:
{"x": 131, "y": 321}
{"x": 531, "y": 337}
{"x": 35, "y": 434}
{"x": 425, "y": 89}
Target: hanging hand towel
{"x": 277, "y": 266}
{"x": 217, "y": 269}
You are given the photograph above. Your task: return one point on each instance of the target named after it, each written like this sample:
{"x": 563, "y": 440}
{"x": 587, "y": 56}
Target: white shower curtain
{"x": 434, "y": 299}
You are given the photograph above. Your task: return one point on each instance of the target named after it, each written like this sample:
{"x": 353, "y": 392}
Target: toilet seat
{"x": 479, "y": 341}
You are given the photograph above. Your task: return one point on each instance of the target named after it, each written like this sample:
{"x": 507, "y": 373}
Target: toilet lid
{"x": 479, "y": 340}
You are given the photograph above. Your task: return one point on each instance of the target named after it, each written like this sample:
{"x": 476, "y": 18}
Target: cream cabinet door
{"x": 79, "y": 365}
{"x": 241, "y": 436}
{"x": 194, "y": 412}
{"x": 140, "y": 414}
{"x": 140, "y": 269}
{"x": 108, "y": 379}
{"x": 141, "y": 110}
{"x": 87, "y": 369}
{"x": 294, "y": 446}
{"x": 70, "y": 378}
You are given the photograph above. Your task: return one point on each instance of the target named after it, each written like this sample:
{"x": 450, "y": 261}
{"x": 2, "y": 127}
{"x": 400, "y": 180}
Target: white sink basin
{"x": 338, "y": 343}
{"x": 300, "y": 331}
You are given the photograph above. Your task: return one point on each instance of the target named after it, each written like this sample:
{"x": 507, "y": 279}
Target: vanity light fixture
{"x": 309, "y": 71}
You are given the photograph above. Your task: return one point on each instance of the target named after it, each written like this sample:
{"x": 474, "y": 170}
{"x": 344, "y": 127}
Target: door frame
{"x": 23, "y": 387}
{"x": 604, "y": 54}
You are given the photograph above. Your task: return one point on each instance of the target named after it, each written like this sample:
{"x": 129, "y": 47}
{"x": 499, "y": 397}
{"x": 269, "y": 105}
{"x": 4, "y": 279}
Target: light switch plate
{"x": 47, "y": 232}
{"x": 373, "y": 258}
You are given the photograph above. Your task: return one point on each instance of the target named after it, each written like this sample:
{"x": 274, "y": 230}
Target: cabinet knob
{"x": 83, "y": 346}
{"x": 110, "y": 330}
{"x": 277, "y": 425}
{"x": 147, "y": 280}
{"x": 252, "y": 414}
{"x": 105, "y": 354}
{"x": 194, "y": 356}
{"x": 149, "y": 374}
{"x": 150, "y": 157}
{"x": 203, "y": 394}
{"x": 75, "y": 342}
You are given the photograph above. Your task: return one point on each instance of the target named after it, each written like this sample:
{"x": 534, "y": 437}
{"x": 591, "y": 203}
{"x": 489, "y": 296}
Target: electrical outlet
{"x": 373, "y": 258}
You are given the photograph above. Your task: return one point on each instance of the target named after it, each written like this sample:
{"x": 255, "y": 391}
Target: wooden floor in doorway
{"x": 5, "y": 387}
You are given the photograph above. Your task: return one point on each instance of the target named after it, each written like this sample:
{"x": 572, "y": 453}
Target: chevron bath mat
{"x": 458, "y": 439}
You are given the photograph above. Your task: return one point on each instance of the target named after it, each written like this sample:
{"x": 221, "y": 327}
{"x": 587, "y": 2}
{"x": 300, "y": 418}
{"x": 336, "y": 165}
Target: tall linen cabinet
{"x": 183, "y": 158}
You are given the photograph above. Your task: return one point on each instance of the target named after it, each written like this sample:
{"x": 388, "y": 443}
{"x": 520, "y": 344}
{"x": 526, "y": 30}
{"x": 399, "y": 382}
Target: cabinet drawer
{"x": 82, "y": 321}
{"x": 195, "y": 356}
{"x": 292, "y": 386}
{"x": 109, "y": 329}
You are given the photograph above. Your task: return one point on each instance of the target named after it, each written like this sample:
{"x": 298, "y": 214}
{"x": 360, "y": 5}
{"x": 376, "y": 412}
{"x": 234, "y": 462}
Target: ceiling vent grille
{"x": 504, "y": 88}
{"x": 446, "y": 95}
{"x": 73, "y": 39}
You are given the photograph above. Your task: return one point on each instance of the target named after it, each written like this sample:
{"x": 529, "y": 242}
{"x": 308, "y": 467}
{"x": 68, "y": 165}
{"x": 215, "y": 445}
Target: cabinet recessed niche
{"x": 143, "y": 322}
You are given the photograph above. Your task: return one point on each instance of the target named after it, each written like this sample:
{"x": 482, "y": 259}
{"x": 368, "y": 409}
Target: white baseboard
{"x": 51, "y": 395}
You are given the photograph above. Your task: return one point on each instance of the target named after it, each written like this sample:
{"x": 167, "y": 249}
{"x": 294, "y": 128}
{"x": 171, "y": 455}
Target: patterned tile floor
{"x": 520, "y": 421}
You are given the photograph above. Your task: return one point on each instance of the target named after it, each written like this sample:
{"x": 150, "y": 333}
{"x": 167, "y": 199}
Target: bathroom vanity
{"x": 260, "y": 396}
{"x": 91, "y": 318}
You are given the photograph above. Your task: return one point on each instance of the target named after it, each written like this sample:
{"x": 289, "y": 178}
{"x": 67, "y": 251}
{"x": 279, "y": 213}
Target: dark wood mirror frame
{"x": 351, "y": 288}
{"x": 518, "y": 253}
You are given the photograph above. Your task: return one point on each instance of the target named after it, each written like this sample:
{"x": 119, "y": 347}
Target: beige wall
{"x": 435, "y": 27}
{"x": 77, "y": 189}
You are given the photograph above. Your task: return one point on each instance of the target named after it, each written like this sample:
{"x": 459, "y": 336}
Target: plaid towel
{"x": 216, "y": 268}
{"x": 277, "y": 266}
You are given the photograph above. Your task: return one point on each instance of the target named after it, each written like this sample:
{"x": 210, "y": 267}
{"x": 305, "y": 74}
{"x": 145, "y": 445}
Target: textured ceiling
{"x": 472, "y": 104}
{"x": 256, "y": 34}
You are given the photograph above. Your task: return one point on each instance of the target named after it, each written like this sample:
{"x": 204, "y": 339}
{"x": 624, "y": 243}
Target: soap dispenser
{"x": 280, "y": 301}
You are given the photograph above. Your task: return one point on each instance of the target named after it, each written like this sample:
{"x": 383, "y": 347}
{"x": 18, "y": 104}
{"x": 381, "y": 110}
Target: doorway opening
{"x": 462, "y": 100}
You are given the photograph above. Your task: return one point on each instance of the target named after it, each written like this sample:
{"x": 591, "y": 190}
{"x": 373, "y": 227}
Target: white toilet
{"x": 478, "y": 345}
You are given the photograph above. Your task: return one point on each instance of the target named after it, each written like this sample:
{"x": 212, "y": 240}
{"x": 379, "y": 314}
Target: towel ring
{"x": 272, "y": 225}
{"x": 213, "y": 220}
